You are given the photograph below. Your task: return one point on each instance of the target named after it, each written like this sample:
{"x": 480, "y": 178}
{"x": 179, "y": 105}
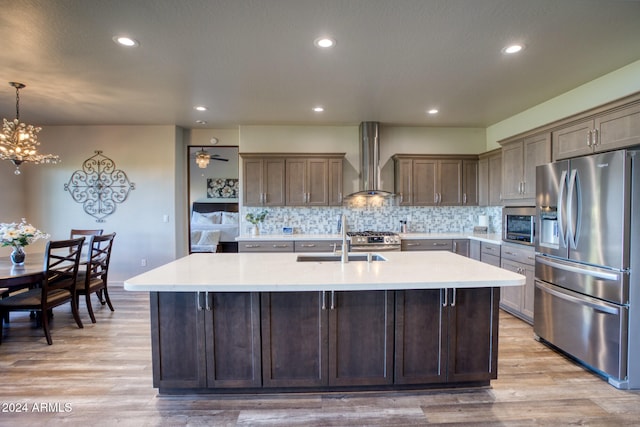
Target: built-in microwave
{"x": 519, "y": 225}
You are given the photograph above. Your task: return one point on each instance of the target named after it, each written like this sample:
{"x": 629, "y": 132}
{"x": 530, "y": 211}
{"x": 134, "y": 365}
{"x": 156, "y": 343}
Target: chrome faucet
{"x": 345, "y": 245}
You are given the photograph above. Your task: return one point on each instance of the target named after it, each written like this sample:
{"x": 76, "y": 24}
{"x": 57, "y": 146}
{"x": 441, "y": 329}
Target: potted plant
{"x": 256, "y": 219}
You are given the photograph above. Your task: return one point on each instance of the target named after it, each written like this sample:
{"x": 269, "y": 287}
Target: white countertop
{"x": 274, "y": 272}
{"x": 495, "y": 238}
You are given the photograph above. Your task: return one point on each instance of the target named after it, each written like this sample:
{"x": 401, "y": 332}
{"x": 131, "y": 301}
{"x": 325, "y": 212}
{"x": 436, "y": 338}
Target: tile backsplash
{"x": 378, "y": 215}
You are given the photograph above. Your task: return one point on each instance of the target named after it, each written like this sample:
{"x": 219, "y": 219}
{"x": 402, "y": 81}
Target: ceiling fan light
{"x": 202, "y": 159}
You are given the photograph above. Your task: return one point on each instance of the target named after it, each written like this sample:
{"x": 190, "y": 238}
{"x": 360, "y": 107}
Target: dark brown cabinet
{"x": 263, "y": 181}
{"x": 490, "y": 178}
{"x": 205, "y": 339}
{"x": 434, "y": 343}
{"x": 314, "y": 339}
{"x": 519, "y": 161}
{"x": 470, "y": 187}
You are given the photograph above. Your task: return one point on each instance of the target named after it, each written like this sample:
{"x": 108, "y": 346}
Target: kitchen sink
{"x": 338, "y": 258}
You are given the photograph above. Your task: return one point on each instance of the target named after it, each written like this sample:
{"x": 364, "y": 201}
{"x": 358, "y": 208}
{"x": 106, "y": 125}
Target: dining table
{"x": 15, "y": 277}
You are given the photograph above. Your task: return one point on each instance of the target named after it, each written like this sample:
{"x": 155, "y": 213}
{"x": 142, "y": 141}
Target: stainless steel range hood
{"x": 370, "y": 162}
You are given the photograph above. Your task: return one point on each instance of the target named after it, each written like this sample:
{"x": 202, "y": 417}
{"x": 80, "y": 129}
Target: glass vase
{"x": 18, "y": 255}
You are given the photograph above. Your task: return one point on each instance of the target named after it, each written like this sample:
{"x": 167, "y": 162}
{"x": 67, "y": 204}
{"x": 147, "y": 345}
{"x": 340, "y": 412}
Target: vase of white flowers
{"x": 256, "y": 219}
{"x": 19, "y": 235}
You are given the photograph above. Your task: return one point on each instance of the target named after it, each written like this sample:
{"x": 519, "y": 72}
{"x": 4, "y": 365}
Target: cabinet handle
{"x": 595, "y": 137}
{"x": 439, "y": 244}
{"x": 453, "y": 298}
{"x": 251, "y": 246}
{"x": 309, "y": 245}
{"x": 589, "y": 139}
{"x": 280, "y": 246}
{"x": 340, "y": 196}
{"x": 524, "y": 187}
{"x": 198, "y": 305}
{"x": 446, "y": 297}
{"x": 333, "y": 300}
{"x": 401, "y": 197}
{"x": 455, "y": 246}
{"x": 324, "y": 300}
{"x": 439, "y": 198}
{"x": 508, "y": 253}
{"x": 413, "y": 244}
{"x": 206, "y": 301}
{"x": 464, "y": 198}
{"x": 435, "y": 198}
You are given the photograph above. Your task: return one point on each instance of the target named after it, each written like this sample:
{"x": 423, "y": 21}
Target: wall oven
{"x": 519, "y": 225}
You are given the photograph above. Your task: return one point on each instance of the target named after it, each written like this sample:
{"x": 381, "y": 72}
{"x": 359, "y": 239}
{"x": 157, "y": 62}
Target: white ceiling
{"x": 254, "y": 62}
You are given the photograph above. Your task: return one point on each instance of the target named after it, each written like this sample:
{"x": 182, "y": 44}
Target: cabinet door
{"x": 424, "y": 186}
{"x": 461, "y": 247}
{"x": 528, "y": 292}
{"x": 572, "y": 141}
{"x": 274, "y": 184}
{"x": 511, "y": 296}
{"x": 335, "y": 182}
{"x": 537, "y": 151}
{"x": 473, "y": 350}
{"x": 233, "y": 339}
{"x": 483, "y": 182}
{"x": 296, "y": 176}
{"x": 474, "y": 250}
{"x": 470, "y": 190}
{"x": 317, "y": 182}
{"x": 420, "y": 337}
{"x": 619, "y": 129}
{"x": 495, "y": 180}
{"x": 252, "y": 174}
{"x": 294, "y": 339}
{"x": 361, "y": 338}
{"x": 178, "y": 340}
{"x": 449, "y": 183}
{"x": 403, "y": 181}
{"x": 512, "y": 170}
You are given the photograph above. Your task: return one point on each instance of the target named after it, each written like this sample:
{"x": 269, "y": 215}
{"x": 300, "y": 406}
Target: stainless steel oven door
{"x": 375, "y": 248}
{"x": 589, "y": 329}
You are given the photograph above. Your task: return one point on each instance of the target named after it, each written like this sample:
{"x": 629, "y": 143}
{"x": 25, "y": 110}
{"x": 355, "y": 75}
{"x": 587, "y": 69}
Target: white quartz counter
{"x": 273, "y": 272}
{"x": 495, "y": 238}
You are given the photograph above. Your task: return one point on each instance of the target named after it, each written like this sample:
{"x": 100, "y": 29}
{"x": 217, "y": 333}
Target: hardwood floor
{"x": 101, "y": 375}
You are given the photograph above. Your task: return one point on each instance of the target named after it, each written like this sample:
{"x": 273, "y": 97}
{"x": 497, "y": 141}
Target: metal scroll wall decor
{"x": 99, "y": 186}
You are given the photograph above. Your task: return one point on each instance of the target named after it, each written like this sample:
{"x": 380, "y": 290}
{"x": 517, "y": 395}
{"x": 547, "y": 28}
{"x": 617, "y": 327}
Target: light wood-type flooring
{"x": 101, "y": 376}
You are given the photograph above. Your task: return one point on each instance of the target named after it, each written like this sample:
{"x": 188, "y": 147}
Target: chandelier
{"x": 18, "y": 141}
{"x": 202, "y": 159}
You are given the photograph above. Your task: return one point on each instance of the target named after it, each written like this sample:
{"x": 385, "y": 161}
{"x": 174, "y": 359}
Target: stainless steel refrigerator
{"x": 587, "y": 294}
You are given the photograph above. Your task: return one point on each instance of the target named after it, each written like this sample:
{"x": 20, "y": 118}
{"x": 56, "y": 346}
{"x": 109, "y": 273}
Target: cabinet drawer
{"x": 427, "y": 245}
{"x": 524, "y": 255}
{"x": 490, "y": 249}
{"x": 266, "y": 246}
{"x": 317, "y": 245}
{"x": 490, "y": 259}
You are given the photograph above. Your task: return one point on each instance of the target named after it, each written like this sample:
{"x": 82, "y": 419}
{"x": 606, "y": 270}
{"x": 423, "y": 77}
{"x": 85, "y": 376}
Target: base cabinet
{"x": 434, "y": 343}
{"x": 342, "y": 340}
{"x": 202, "y": 340}
{"x": 518, "y": 300}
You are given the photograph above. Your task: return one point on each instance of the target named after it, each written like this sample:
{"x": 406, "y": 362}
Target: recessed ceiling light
{"x": 318, "y": 109}
{"x": 433, "y": 111}
{"x": 201, "y": 122}
{"x": 324, "y": 42}
{"x": 126, "y": 41}
{"x": 514, "y": 48}
{"x": 200, "y": 108}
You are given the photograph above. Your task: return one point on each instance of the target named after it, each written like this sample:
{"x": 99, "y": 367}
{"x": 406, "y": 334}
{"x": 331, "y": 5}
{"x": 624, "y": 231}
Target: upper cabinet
{"x": 424, "y": 180}
{"x": 490, "y": 178}
{"x": 519, "y": 160}
{"x": 263, "y": 181}
{"x": 292, "y": 179}
{"x": 611, "y": 130}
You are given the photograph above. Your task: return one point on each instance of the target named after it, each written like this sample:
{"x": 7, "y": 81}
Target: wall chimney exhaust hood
{"x": 370, "y": 162}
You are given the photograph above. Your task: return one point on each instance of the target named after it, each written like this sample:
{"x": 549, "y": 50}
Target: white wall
{"x": 618, "y": 84}
{"x": 149, "y": 155}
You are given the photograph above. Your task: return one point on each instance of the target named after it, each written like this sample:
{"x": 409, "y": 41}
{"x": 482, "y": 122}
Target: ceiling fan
{"x": 203, "y": 157}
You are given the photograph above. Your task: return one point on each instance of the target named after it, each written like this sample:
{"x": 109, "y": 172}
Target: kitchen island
{"x": 256, "y": 323}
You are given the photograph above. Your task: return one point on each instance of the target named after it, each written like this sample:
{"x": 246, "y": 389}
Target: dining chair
{"x": 94, "y": 277}
{"x": 62, "y": 260}
{"x": 86, "y": 233}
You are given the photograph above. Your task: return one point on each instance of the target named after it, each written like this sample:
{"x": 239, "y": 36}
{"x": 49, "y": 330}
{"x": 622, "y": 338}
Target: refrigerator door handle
{"x": 561, "y": 210}
{"x": 572, "y": 232}
{"x": 561, "y": 266}
{"x": 585, "y": 301}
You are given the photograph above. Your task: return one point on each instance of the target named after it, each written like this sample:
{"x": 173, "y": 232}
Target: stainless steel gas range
{"x": 369, "y": 241}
